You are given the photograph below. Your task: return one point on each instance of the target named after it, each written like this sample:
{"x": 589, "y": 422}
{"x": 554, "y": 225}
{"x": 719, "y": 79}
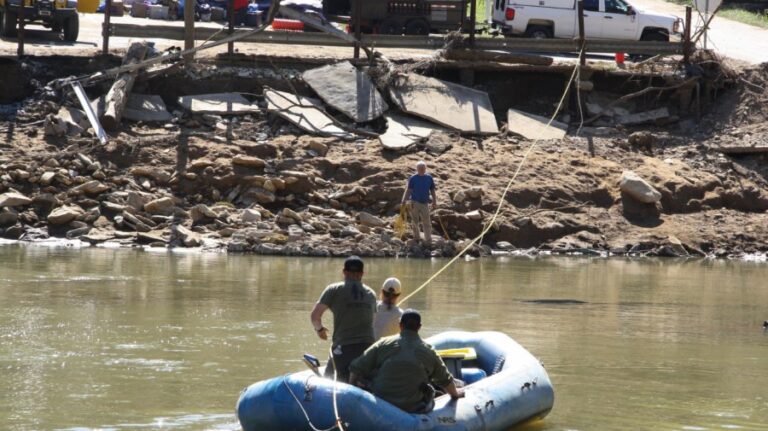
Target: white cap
{"x": 421, "y": 163}
{"x": 391, "y": 285}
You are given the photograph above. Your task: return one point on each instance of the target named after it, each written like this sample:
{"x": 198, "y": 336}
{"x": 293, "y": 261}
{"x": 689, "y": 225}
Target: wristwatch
{"x": 322, "y": 328}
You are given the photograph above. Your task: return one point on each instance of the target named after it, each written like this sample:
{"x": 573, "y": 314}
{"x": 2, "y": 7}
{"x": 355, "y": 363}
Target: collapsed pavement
{"x": 219, "y": 160}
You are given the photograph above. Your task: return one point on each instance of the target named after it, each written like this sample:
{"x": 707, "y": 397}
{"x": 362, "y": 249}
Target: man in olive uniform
{"x": 353, "y": 305}
{"x": 403, "y": 367}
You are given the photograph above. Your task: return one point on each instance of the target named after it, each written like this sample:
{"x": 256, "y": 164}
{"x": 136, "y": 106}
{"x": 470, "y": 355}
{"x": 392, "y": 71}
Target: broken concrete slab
{"x": 451, "y": 105}
{"x": 304, "y": 112}
{"x": 533, "y": 127}
{"x": 218, "y": 103}
{"x": 348, "y": 90}
{"x": 404, "y": 131}
{"x": 643, "y": 117}
{"x": 140, "y": 107}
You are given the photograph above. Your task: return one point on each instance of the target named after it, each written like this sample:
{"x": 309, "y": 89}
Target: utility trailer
{"x": 411, "y": 17}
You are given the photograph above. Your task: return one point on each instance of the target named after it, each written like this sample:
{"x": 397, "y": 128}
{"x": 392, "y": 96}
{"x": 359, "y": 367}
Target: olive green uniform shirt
{"x": 399, "y": 365}
{"x": 353, "y": 305}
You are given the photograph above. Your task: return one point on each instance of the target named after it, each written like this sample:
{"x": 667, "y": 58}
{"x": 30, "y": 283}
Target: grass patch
{"x": 734, "y": 14}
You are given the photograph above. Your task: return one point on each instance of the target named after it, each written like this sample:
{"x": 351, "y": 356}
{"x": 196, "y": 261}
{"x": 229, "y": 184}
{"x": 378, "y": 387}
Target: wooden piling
{"x": 105, "y": 27}
{"x": 189, "y": 28}
{"x": 20, "y": 35}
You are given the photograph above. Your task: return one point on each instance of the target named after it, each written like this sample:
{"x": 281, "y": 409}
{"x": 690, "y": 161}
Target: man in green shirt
{"x": 402, "y": 368}
{"x": 353, "y": 305}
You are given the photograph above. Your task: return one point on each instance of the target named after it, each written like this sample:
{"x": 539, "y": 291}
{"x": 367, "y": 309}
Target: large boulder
{"x": 8, "y": 217}
{"x": 14, "y": 199}
{"x": 162, "y": 206}
{"x": 368, "y": 219}
{"x": 64, "y": 215}
{"x": 202, "y": 212}
{"x": 638, "y": 188}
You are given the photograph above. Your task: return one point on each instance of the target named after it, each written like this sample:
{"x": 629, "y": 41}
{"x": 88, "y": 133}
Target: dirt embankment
{"x": 252, "y": 183}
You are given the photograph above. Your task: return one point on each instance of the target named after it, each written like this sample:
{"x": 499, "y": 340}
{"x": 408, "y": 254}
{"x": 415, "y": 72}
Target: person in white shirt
{"x": 386, "y": 321}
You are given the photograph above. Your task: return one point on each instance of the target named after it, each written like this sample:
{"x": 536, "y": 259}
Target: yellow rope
{"x": 506, "y": 189}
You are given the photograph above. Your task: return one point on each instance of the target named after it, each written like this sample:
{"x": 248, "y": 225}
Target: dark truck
{"x": 58, "y": 15}
{"x": 412, "y": 17}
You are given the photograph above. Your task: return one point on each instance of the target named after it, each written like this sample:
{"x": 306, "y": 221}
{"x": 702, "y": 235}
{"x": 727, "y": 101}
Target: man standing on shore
{"x": 420, "y": 187}
{"x": 353, "y": 305}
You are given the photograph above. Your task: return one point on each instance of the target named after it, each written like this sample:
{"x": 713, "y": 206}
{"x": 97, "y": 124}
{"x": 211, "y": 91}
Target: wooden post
{"x": 21, "y": 19}
{"x": 472, "y": 19}
{"x": 105, "y": 27}
{"x": 231, "y": 19}
{"x": 115, "y": 101}
{"x": 357, "y": 16}
{"x": 687, "y": 48}
{"x": 582, "y": 37}
{"x": 189, "y": 28}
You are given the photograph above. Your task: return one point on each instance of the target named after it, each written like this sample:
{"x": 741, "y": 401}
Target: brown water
{"x": 124, "y": 340}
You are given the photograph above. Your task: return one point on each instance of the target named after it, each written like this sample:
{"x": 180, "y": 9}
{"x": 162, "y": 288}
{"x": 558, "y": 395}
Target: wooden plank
{"x": 121, "y": 89}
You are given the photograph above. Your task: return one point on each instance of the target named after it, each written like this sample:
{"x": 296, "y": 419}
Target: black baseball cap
{"x": 410, "y": 315}
{"x": 353, "y": 264}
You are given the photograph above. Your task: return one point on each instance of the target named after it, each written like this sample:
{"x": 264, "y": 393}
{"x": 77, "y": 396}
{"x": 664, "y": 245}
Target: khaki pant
{"x": 420, "y": 216}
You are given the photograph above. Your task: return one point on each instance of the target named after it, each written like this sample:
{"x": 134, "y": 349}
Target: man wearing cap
{"x": 386, "y": 322}
{"x": 420, "y": 187}
{"x": 403, "y": 367}
{"x": 353, "y": 305}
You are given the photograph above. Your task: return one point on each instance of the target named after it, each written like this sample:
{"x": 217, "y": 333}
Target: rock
{"x": 318, "y": 147}
{"x": 474, "y": 215}
{"x": 250, "y": 216}
{"x": 14, "y": 199}
{"x": 460, "y": 196}
{"x": 248, "y": 161}
{"x": 257, "y": 194}
{"x": 367, "y": 219}
{"x": 150, "y": 238}
{"x": 47, "y": 178}
{"x": 643, "y": 140}
{"x": 160, "y": 206}
{"x": 202, "y": 212}
{"x": 8, "y": 217}
{"x": 156, "y": 174}
{"x": 185, "y": 236}
{"x": 291, "y": 214}
{"x": 64, "y": 215}
{"x": 132, "y": 222}
{"x": 111, "y": 206}
{"x": 136, "y": 200}
{"x": 349, "y": 231}
{"x": 504, "y": 245}
{"x": 474, "y": 192}
{"x": 90, "y": 188}
{"x": 269, "y": 186}
{"x": 638, "y": 188}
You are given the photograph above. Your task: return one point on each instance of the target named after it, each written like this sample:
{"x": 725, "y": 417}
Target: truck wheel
{"x": 390, "y": 26}
{"x": 71, "y": 28}
{"x": 655, "y": 36}
{"x": 538, "y": 32}
{"x": 417, "y": 27}
{"x": 8, "y": 24}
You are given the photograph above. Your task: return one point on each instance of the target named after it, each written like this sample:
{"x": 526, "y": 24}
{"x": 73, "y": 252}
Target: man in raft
{"x": 353, "y": 305}
{"x": 403, "y": 367}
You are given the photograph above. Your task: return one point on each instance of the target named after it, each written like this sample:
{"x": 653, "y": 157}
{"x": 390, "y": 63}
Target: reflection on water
{"x": 116, "y": 339}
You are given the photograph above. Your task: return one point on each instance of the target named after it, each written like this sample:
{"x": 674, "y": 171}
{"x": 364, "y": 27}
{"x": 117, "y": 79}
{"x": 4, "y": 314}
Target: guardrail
{"x": 413, "y": 42}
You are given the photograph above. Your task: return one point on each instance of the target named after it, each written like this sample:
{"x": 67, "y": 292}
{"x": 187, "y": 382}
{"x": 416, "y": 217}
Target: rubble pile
{"x": 315, "y": 170}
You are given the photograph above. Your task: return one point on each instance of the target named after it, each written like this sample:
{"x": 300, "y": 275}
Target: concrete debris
{"x": 67, "y": 122}
{"x": 638, "y": 188}
{"x": 304, "y": 112}
{"x": 451, "y": 105}
{"x": 643, "y": 117}
{"x": 404, "y": 131}
{"x": 146, "y": 108}
{"x": 533, "y": 127}
{"x": 348, "y": 90}
{"x": 218, "y": 103}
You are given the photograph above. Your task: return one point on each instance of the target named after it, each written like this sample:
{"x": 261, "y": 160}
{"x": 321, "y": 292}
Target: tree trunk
{"x": 118, "y": 95}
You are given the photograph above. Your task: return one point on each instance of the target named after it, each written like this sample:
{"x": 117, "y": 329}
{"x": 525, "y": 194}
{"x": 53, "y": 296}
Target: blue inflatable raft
{"x": 506, "y": 385}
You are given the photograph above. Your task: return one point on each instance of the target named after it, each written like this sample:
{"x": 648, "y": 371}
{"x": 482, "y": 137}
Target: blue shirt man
{"x": 420, "y": 187}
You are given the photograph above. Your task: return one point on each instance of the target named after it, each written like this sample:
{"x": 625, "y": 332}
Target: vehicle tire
{"x": 654, "y": 36}
{"x": 417, "y": 27}
{"x": 71, "y": 28}
{"x": 390, "y": 26}
{"x": 8, "y": 24}
{"x": 538, "y": 32}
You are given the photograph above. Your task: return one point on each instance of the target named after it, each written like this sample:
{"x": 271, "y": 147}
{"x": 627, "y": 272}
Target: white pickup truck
{"x": 603, "y": 19}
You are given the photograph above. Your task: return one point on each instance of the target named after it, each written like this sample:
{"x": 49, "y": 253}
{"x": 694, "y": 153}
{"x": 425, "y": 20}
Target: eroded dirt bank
{"x": 252, "y": 183}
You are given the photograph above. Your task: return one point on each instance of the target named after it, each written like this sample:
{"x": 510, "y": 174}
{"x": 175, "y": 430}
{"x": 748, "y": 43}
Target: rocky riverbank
{"x": 251, "y": 183}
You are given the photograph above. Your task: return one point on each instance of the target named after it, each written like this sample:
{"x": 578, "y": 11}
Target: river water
{"x": 132, "y": 340}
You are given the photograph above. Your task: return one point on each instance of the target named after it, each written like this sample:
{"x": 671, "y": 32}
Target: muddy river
{"x": 125, "y": 340}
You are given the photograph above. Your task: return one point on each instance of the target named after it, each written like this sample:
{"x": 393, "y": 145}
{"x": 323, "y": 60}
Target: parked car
{"x": 603, "y": 19}
{"x": 58, "y": 15}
